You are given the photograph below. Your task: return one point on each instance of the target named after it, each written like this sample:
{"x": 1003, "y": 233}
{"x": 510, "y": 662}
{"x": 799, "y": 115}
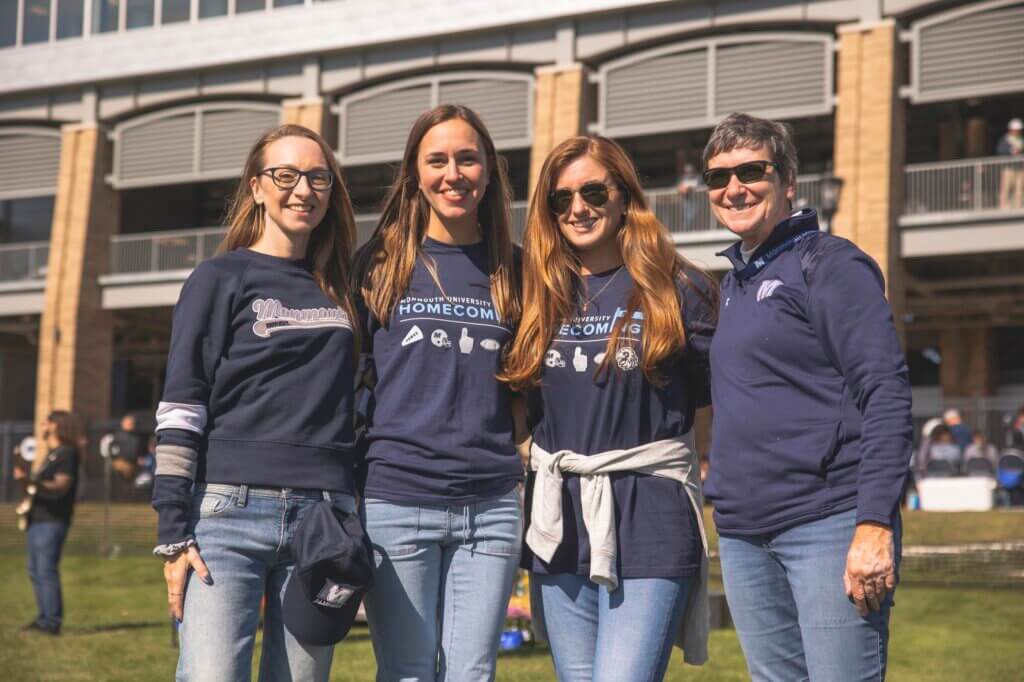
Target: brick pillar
{"x": 560, "y": 111}
{"x": 968, "y": 368}
{"x": 870, "y": 148}
{"x": 76, "y": 335}
{"x": 311, "y": 112}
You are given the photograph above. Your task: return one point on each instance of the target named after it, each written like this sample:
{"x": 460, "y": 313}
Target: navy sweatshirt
{"x": 589, "y": 413}
{"x": 259, "y": 382}
{"x": 440, "y": 424}
{"x": 810, "y": 387}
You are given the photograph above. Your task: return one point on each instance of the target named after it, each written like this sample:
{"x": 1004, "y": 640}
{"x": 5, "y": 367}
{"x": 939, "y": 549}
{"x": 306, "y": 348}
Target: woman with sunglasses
{"x": 812, "y": 428}
{"x": 613, "y": 347}
{"x": 255, "y": 426}
{"x": 440, "y": 298}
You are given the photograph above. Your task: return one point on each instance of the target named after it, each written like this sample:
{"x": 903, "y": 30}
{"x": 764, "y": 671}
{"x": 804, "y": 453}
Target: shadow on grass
{"x": 115, "y": 627}
{"x": 526, "y": 651}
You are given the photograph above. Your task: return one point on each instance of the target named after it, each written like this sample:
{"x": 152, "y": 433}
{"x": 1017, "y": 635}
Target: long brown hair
{"x": 552, "y": 274}
{"x": 384, "y": 266}
{"x": 332, "y": 242}
{"x": 67, "y": 429}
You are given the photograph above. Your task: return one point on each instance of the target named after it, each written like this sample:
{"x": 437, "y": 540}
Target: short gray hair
{"x": 743, "y": 131}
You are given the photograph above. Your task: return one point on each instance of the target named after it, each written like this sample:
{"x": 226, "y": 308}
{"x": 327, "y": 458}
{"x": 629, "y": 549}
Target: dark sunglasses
{"x": 594, "y": 193}
{"x": 751, "y": 171}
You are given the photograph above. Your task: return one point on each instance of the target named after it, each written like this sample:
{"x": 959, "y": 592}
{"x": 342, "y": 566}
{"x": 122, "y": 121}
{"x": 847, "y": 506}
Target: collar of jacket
{"x": 804, "y": 220}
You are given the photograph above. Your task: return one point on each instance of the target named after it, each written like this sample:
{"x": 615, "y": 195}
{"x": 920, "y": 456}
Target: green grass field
{"x": 116, "y": 627}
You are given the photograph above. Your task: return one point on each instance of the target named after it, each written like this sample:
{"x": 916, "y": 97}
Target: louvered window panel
{"x": 378, "y": 125}
{"x": 227, "y": 137}
{"x": 771, "y": 77}
{"x": 29, "y": 164}
{"x": 667, "y": 91}
{"x": 158, "y": 149}
{"x": 976, "y": 53}
{"x": 503, "y": 105}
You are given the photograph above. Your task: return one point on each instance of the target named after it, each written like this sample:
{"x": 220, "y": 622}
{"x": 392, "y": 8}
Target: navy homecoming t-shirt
{"x": 440, "y": 423}
{"x": 590, "y": 412}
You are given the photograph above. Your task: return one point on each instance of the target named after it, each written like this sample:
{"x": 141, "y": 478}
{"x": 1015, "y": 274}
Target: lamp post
{"x": 831, "y": 188}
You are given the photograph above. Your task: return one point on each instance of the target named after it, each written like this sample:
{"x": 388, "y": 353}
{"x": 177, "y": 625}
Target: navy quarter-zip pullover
{"x": 809, "y": 384}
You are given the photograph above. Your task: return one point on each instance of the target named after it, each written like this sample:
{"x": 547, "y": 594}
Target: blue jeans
{"x": 45, "y": 542}
{"x": 444, "y": 577}
{"x": 244, "y": 535}
{"x": 787, "y": 599}
{"x": 622, "y": 635}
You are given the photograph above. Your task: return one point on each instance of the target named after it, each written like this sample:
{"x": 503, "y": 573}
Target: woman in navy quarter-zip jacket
{"x": 439, "y": 300}
{"x": 812, "y": 429}
{"x": 255, "y": 425}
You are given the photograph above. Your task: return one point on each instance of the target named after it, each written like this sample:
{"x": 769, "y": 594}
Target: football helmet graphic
{"x": 553, "y": 359}
{"x": 439, "y": 338}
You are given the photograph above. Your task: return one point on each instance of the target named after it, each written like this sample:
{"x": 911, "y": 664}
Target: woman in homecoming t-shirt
{"x": 256, "y": 422}
{"x": 439, "y": 300}
{"x": 613, "y": 341}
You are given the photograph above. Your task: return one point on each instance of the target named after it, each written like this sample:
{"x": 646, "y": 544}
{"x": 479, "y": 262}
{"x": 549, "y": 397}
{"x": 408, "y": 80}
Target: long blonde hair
{"x": 384, "y": 266}
{"x": 552, "y": 274}
{"x": 332, "y": 242}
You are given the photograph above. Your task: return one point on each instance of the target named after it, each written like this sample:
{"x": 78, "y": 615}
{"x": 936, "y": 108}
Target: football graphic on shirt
{"x": 553, "y": 359}
{"x": 626, "y": 358}
{"x": 599, "y": 358}
{"x": 490, "y": 344}
{"x": 439, "y": 338}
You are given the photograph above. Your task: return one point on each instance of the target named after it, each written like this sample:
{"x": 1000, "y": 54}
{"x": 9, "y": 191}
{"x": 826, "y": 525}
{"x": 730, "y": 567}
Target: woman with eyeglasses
{"x": 812, "y": 430}
{"x": 255, "y": 426}
{"x": 613, "y": 347}
{"x": 439, "y": 296}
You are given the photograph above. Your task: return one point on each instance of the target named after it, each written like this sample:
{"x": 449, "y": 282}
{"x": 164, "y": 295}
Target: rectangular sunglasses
{"x": 594, "y": 193}
{"x": 751, "y": 171}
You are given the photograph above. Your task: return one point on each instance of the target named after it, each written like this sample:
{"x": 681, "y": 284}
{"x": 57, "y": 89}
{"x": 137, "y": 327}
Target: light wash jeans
{"x": 45, "y": 543}
{"x": 611, "y": 636}
{"x": 441, "y": 589}
{"x": 787, "y": 600}
{"x": 243, "y": 536}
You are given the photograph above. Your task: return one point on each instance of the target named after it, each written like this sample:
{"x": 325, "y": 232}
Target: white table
{"x": 967, "y": 493}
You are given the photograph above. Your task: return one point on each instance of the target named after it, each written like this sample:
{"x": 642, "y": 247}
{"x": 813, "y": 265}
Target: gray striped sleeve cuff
{"x": 176, "y": 460}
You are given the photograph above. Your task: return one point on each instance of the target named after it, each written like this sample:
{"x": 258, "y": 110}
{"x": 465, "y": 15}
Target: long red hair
{"x": 552, "y": 275}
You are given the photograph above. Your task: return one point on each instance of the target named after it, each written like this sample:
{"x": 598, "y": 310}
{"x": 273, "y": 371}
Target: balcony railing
{"x": 965, "y": 188}
{"x": 24, "y": 262}
{"x": 184, "y": 249}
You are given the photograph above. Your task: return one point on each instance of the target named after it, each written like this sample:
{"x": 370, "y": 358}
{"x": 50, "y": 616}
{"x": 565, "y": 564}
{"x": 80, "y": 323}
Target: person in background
{"x": 688, "y": 185}
{"x": 1011, "y": 186}
{"x": 51, "y": 483}
{"x": 980, "y": 448}
{"x": 942, "y": 448}
{"x": 812, "y": 431}
{"x": 1015, "y": 437}
{"x": 961, "y": 432}
{"x": 126, "y": 448}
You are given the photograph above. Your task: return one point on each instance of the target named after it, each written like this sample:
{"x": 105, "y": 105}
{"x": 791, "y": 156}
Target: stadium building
{"x": 124, "y": 123}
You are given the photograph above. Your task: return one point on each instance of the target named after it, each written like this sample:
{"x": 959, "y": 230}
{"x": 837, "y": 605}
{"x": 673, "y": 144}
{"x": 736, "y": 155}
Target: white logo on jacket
{"x": 768, "y": 288}
{"x": 273, "y": 317}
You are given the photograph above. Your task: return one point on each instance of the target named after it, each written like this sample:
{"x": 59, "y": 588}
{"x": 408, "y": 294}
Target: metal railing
{"x": 184, "y": 249}
{"x": 163, "y": 251}
{"x": 24, "y": 262}
{"x": 977, "y": 186}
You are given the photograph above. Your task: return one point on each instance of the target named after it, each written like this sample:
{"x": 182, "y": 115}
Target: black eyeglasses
{"x": 751, "y": 171}
{"x": 288, "y": 178}
{"x": 594, "y": 193}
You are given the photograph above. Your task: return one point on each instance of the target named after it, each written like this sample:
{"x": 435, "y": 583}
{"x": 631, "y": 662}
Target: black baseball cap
{"x": 333, "y": 570}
